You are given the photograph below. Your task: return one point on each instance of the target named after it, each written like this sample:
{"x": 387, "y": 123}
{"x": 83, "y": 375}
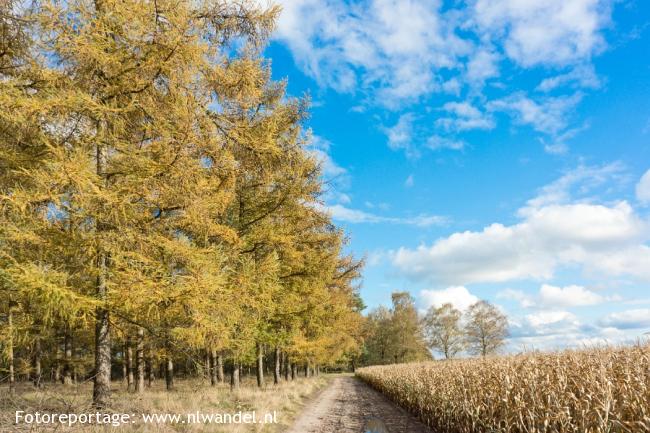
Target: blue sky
{"x": 493, "y": 149}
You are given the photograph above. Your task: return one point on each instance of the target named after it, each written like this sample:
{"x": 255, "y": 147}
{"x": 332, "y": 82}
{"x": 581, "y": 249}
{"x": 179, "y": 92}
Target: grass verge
{"x": 188, "y": 397}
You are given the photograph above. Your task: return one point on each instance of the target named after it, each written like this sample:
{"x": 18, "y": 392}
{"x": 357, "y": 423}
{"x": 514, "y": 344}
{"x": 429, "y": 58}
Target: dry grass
{"x": 589, "y": 391}
{"x": 188, "y": 397}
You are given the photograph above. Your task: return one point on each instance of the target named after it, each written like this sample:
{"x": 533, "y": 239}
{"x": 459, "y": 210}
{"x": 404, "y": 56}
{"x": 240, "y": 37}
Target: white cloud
{"x": 558, "y": 142}
{"x": 483, "y": 64}
{"x": 399, "y": 52}
{"x": 410, "y": 181}
{"x": 569, "y": 296}
{"x": 548, "y": 115}
{"x": 583, "y": 76}
{"x": 462, "y": 109}
{"x": 436, "y": 142}
{"x": 545, "y": 318}
{"x": 320, "y": 148}
{"x": 602, "y": 239}
{"x": 524, "y": 299}
{"x": 564, "y": 335}
{"x": 577, "y": 183}
{"x": 393, "y": 46}
{"x": 404, "y": 135}
{"x": 465, "y": 117}
{"x": 336, "y": 177}
{"x": 342, "y": 213}
{"x": 397, "y": 49}
{"x": 458, "y": 296}
{"x": 401, "y": 135}
{"x": 552, "y": 297}
{"x": 545, "y": 32}
{"x": 422, "y": 220}
{"x": 630, "y": 319}
{"x": 558, "y": 329}
{"x": 643, "y": 189}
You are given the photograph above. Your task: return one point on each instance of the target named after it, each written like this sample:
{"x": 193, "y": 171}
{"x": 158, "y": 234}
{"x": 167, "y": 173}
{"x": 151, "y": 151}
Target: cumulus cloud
{"x": 629, "y": 319}
{"x": 545, "y": 318}
{"x": 569, "y": 296}
{"x": 643, "y": 189}
{"x": 602, "y": 239}
{"x": 552, "y": 297}
{"x": 458, "y": 296}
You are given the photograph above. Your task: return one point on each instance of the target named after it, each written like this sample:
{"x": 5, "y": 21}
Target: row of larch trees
{"x": 159, "y": 206}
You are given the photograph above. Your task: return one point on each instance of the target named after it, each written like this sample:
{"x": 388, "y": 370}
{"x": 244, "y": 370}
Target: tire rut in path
{"x": 346, "y": 404}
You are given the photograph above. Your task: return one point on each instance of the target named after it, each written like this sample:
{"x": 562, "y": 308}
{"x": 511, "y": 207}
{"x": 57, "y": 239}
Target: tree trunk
{"x": 260, "y": 365}
{"x": 206, "y": 365}
{"x": 169, "y": 374}
{"x": 10, "y": 350}
{"x": 139, "y": 361}
{"x": 214, "y": 370}
{"x": 102, "y": 382}
{"x": 220, "y": 375}
{"x": 56, "y": 377}
{"x": 234, "y": 376}
{"x": 38, "y": 370}
{"x": 129, "y": 364}
{"x": 294, "y": 371}
{"x": 125, "y": 371}
{"x": 150, "y": 372}
{"x": 287, "y": 367}
{"x": 276, "y": 371}
{"x": 67, "y": 358}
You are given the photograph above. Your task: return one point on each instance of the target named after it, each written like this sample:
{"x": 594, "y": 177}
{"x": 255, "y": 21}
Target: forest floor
{"x": 348, "y": 405}
{"x": 286, "y": 400}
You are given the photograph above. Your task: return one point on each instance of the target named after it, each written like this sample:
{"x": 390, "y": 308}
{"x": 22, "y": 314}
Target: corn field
{"x": 587, "y": 391}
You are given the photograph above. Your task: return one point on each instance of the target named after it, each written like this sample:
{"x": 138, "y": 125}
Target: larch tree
{"x": 156, "y": 188}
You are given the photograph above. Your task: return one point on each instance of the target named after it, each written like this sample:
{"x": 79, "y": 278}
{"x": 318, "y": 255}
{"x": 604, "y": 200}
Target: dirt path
{"x": 345, "y": 406}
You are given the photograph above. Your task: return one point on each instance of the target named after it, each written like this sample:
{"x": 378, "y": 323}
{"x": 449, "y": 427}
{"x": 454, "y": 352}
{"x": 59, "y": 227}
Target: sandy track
{"x": 346, "y": 404}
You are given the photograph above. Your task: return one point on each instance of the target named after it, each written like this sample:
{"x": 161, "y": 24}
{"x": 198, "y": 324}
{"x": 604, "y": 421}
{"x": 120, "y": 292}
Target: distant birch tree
{"x": 443, "y": 330}
{"x": 486, "y": 328}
